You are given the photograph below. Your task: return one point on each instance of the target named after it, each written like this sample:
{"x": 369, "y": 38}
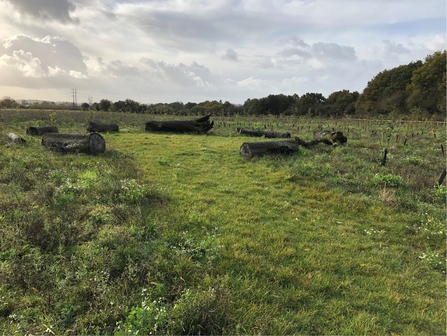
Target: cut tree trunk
{"x": 100, "y": 127}
{"x": 15, "y": 138}
{"x": 283, "y": 147}
{"x": 260, "y": 133}
{"x": 327, "y": 137}
{"x": 92, "y": 143}
{"x": 41, "y": 130}
{"x": 201, "y": 125}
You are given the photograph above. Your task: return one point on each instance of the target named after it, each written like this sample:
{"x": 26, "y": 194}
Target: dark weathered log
{"x": 330, "y": 137}
{"x": 384, "y": 154}
{"x": 327, "y": 137}
{"x": 92, "y": 143}
{"x": 260, "y": 133}
{"x": 15, "y": 138}
{"x": 39, "y": 130}
{"x": 100, "y": 127}
{"x": 201, "y": 125}
{"x": 283, "y": 147}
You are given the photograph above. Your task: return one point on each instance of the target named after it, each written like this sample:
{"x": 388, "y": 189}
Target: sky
{"x": 164, "y": 51}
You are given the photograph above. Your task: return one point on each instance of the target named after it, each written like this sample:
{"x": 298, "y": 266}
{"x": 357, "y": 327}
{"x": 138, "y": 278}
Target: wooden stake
{"x": 385, "y": 152}
{"x": 441, "y": 177}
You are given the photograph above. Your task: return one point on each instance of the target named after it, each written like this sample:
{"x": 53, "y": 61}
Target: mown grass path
{"x": 299, "y": 257}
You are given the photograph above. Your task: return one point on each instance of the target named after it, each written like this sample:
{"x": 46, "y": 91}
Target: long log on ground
{"x": 327, "y": 137}
{"x": 40, "y": 130}
{"x": 100, "y": 127}
{"x": 15, "y": 138}
{"x": 201, "y": 125}
{"x": 283, "y": 147}
{"x": 92, "y": 143}
{"x": 260, "y": 133}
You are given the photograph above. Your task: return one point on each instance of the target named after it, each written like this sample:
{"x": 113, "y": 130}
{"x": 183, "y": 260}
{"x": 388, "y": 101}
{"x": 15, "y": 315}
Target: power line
{"x": 75, "y": 99}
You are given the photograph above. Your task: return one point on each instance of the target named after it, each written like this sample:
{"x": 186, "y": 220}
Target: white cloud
{"x": 395, "y": 48}
{"x": 50, "y": 51}
{"x": 230, "y": 55}
{"x": 58, "y": 10}
{"x": 170, "y": 50}
{"x": 25, "y": 63}
{"x": 437, "y": 42}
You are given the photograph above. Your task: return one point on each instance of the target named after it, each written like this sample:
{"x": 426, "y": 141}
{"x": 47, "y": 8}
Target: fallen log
{"x": 100, "y": 127}
{"x": 92, "y": 143}
{"x": 283, "y": 147}
{"x": 327, "y": 137}
{"x": 260, "y": 133}
{"x": 40, "y": 130}
{"x": 15, "y": 138}
{"x": 201, "y": 125}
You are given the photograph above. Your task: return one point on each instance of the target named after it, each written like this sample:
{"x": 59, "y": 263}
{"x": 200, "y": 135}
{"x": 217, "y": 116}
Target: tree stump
{"x": 15, "y": 138}
{"x": 92, "y": 143}
{"x": 40, "y": 130}
{"x": 100, "y": 127}
{"x": 260, "y": 133}
{"x": 283, "y": 147}
{"x": 201, "y": 125}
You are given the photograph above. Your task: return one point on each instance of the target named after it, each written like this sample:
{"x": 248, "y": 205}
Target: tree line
{"x": 417, "y": 89}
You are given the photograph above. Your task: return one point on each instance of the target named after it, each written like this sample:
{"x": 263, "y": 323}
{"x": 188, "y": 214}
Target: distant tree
{"x": 8, "y": 102}
{"x": 309, "y": 104}
{"x": 94, "y": 107}
{"x": 253, "y": 107}
{"x": 85, "y": 106}
{"x": 178, "y": 107}
{"x": 190, "y": 105}
{"x": 132, "y": 106}
{"x": 119, "y": 106}
{"x": 229, "y": 109}
{"x": 160, "y": 108}
{"x": 276, "y": 104}
{"x": 387, "y": 91}
{"x": 105, "y": 105}
{"x": 428, "y": 85}
{"x": 341, "y": 102}
{"x": 143, "y": 108}
{"x": 198, "y": 110}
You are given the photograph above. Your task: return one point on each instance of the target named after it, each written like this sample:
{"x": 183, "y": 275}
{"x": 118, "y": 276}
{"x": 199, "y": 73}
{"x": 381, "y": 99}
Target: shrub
{"x": 388, "y": 180}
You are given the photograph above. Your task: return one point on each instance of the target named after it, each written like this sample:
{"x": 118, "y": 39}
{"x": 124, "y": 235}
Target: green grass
{"x": 180, "y": 234}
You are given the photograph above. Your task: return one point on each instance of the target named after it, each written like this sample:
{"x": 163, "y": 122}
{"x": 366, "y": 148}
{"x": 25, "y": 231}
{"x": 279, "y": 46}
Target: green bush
{"x": 388, "y": 180}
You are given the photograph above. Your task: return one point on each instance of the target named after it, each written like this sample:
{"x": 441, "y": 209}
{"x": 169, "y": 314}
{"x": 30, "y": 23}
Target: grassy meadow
{"x": 180, "y": 234}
